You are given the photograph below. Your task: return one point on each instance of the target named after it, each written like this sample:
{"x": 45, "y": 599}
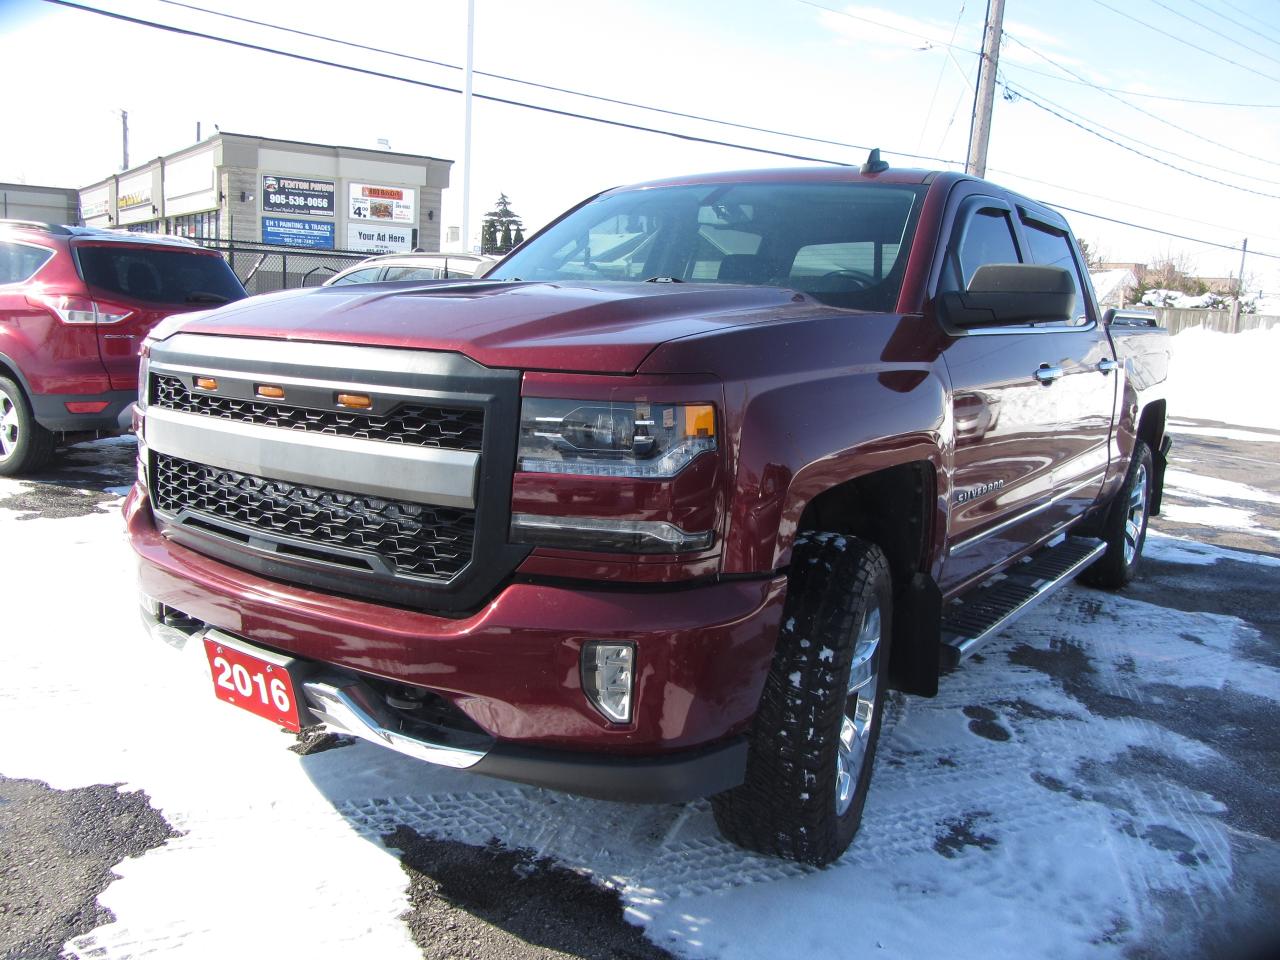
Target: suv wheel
{"x": 814, "y": 739}
{"x": 24, "y": 444}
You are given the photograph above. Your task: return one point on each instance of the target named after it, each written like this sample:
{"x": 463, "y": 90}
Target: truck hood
{"x": 578, "y": 327}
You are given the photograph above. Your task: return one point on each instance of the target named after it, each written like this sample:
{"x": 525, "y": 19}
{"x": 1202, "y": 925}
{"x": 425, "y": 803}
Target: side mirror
{"x": 1010, "y": 294}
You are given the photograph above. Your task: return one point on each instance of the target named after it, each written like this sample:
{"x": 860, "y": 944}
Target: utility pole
{"x": 466, "y": 129}
{"x": 985, "y": 95}
{"x": 1235, "y": 304}
{"x": 124, "y": 139}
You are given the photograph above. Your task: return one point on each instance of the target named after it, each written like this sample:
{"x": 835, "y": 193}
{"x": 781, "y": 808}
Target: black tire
{"x": 1125, "y": 528}
{"x": 25, "y": 446}
{"x": 790, "y": 803}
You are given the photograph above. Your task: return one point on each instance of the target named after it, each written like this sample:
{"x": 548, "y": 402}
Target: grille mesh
{"x": 410, "y": 423}
{"x": 416, "y": 540}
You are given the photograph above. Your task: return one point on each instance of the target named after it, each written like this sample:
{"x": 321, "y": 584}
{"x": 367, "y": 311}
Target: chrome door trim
{"x": 1025, "y": 515}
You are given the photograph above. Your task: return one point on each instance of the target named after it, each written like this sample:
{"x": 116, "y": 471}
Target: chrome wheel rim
{"x": 859, "y": 709}
{"x": 1135, "y": 519}
{"x": 8, "y": 426}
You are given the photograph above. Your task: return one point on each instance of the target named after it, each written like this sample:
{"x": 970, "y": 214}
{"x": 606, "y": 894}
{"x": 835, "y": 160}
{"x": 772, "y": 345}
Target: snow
{"x": 1183, "y": 301}
{"x": 1228, "y": 377}
{"x": 283, "y": 852}
{"x": 1111, "y": 285}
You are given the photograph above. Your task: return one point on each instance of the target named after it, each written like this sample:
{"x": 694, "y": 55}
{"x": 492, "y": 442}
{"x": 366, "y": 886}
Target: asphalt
{"x": 493, "y": 902}
{"x": 58, "y": 850}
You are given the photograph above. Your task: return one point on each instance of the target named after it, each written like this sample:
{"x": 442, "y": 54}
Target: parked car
{"x": 663, "y": 506}
{"x": 414, "y": 266}
{"x": 75, "y": 305}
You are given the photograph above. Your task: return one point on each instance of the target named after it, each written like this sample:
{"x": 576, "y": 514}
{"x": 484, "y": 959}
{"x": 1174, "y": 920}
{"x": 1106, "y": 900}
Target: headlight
{"x": 606, "y": 439}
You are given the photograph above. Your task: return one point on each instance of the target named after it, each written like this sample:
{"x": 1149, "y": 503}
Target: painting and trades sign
{"x": 373, "y": 238}
{"x": 390, "y": 204}
{"x": 297, "y": 195}
{"x": 297, "y": 233}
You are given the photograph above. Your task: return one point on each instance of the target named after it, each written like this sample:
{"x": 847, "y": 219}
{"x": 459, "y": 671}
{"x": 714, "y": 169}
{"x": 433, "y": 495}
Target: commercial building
{"x": 246, "y": 189}
{"x": 21, "y": 201}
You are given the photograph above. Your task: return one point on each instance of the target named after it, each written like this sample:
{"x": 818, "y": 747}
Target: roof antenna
{"x": 874, "y": 164}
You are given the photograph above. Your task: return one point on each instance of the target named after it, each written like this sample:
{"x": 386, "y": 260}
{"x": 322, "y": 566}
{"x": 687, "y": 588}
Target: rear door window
{"x": 1052, "y": 248}
{"x": 368, "y": 275}
{"x": 158, "y": 276}
{"x": 412, "y": 273}
{"x": 20, "y": 261}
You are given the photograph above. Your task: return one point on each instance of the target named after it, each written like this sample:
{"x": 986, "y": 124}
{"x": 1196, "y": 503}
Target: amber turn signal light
{"x": 355, "y": 401}
{"x": 206, "y": 383}
{"x": 269, "y": 392}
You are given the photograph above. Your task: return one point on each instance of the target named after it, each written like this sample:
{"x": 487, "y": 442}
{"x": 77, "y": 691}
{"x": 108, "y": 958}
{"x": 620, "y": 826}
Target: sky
{"x": 846, "y": 76}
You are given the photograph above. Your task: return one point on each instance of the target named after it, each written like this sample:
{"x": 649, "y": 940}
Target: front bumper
{"x": 51, "y": 411}
{"x": 512, "y": 667}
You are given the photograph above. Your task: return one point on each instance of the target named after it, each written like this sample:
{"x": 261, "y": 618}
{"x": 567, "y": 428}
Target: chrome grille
{"x": 415, "y": 424}
{"x": 345, "y": 529}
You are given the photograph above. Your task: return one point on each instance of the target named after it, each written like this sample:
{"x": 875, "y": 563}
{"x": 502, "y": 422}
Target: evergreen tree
{"x": 500, "y": 223}
{"x": 519, "y": 237}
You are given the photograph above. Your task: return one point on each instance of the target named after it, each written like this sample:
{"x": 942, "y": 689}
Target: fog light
{"x": 608, "y": 674}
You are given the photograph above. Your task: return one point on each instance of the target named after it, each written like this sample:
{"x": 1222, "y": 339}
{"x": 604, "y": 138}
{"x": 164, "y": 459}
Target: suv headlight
{"x": 606, "y": 439}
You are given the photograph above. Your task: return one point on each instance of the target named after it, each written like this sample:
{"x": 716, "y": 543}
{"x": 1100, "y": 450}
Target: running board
{"x": 969, "y": 622}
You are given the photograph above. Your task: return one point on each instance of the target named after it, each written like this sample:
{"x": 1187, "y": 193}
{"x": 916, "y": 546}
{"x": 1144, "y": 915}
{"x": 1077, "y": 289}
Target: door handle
{"x": 1107, "y": 365}
{"x": 1047, "y": 374}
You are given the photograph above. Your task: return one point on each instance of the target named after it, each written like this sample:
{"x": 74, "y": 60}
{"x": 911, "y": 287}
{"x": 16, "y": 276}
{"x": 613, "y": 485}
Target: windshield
{"x": 158, "y": 276}
{"x": 846, "y": 244}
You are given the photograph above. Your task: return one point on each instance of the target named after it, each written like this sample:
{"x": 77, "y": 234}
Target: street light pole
{"x": 985, "y": 94}
{"x": 466, "y": 129}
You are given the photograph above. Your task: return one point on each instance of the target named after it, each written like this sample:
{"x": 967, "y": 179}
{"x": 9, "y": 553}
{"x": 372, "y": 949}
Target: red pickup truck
{"x": 661, "y": 507}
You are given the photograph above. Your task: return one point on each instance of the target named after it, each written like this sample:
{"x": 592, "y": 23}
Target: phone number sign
{"x": 312, "y": 198}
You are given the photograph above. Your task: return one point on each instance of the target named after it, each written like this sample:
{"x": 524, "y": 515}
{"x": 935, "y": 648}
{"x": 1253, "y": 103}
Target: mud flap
{"x": 917, "y": 637}
{"x": 1160, "y": 461}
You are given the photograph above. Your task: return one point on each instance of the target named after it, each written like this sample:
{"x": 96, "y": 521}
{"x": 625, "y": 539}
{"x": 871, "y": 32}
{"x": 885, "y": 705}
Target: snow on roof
{"x": 1110, "y": 285}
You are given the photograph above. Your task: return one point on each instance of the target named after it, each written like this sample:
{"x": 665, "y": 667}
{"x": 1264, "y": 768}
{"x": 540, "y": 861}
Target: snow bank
{"x": 1225, "y": 376}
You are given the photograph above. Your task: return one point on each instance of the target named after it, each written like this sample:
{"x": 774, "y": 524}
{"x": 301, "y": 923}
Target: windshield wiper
{"x": 664, "y": 280}
{"x": 201, "y": 296}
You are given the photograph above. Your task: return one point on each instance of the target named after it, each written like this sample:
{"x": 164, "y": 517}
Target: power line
{"x": 1134, "y": 93}
{"x": 546, "y": 86}
{"x": 886, "y": 26}
{"x": 1124, "y": 146}
{"x": 1084, "y": 124}
{"x": 1166, "y": 233}
{"x": 1194, "y": 46}
{"x": 1217, "y": 33}
{"x": 1141, "y": 110}
{"x": 319, "y": 61}
{"x": 1127, "y": 203}
{"x": 1242, "y": 26}
{"x": 182, "y": 31}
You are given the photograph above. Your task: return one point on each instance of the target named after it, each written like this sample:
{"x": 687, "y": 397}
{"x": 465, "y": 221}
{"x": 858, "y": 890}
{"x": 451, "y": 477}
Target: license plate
{"x": 258, "y": 682}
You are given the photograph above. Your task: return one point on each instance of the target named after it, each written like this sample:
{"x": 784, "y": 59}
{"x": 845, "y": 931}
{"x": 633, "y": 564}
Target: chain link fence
{"x": 263, "y": 268}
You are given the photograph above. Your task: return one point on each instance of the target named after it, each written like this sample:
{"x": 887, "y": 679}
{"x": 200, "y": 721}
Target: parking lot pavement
{"x": 1100, "y": 780}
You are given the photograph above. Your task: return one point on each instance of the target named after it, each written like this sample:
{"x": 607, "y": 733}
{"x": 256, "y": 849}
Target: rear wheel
{"x": 1125, "y": 529}
{"x": 25, "y": 446}
{"x": 813, "y": 742}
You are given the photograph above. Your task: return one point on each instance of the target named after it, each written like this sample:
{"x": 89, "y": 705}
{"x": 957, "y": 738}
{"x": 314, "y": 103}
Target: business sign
{"x": 93, "y": 205}
{"x": 313, "y": 198}
{"x": 390, "y": 204}
{"x": 297, "y": 233}
{"x": 379, "y": 238}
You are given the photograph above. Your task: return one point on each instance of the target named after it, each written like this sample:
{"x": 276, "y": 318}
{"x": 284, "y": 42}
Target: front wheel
{"x": 25, "y": 446}
{"x": 1125, "y": 529}
{"x": 814, "y": 738}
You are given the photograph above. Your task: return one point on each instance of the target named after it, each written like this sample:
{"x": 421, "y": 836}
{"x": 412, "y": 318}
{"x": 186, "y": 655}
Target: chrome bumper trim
{"x": 395, "y": 471}
{"x": 350, "y": 709}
